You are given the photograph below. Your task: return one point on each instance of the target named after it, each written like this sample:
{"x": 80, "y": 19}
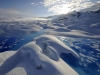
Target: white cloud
{"x": 93, "y": 8}
{"x": 36, "y": 4}
{"x": 65, "y": 6}
{"x": 59, "y": 9}
{"x": 32, "y": 3}
{"x": 41, "y": 2}
{"x": 11, "y": 14}
{"x": 98, "y": 1}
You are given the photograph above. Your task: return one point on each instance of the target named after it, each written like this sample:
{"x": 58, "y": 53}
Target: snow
{"x": 18, "y": 28}
{"x": 56, "y": 44}
{"x": 72, "y": 33}
{"x": 52, "y": 53}
{"x": 32, "y": 55}
{"x": 41, "y": 56}
{"x": 87, "y": 26}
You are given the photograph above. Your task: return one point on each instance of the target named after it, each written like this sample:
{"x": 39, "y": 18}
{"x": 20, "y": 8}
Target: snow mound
{"x": 39, "y": 57}
{"x": 57, "y": 45}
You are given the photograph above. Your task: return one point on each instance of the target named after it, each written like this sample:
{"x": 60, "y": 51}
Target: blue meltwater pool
{"x": 89, "y": 52}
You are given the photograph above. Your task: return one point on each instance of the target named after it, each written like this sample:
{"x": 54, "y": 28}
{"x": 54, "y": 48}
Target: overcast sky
{"x": 12, "y": 9}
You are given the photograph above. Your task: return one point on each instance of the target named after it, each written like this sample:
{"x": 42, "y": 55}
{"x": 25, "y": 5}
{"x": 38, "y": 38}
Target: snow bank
{"x": 39, "y": 57}
{"x": 56, "y": 44}
{"x": 72, "y": 33}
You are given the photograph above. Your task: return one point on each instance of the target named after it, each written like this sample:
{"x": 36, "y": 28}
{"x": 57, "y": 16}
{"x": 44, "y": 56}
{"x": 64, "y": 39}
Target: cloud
{"x": 94, "y": 7}
{"x": 32, "y": 3}
{"x": 41, "y": 2}
{"x": 11, "y": 14}
{"x": 98, "y": 1}
{"x": 65, "y": 6}
{"x": 36, "y": 4}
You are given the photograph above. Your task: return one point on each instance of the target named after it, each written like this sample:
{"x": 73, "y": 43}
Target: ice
{"x": 31, "y": 57}
{"x": 42, "y": 56}
{"x": 87, "y": 26}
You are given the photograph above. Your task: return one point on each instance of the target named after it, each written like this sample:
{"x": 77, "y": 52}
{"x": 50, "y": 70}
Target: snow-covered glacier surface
{"x": 52, "y": 55}
{"x": 53, "y": 47}
{"x": 39, "y": 57}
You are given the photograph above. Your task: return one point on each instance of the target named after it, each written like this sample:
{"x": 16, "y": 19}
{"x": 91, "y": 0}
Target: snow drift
{"x": 39, "y": 57}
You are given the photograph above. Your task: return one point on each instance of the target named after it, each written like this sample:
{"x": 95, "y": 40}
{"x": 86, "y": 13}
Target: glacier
{"x": 48, "y": 52}
{"x": 35, "y": 54}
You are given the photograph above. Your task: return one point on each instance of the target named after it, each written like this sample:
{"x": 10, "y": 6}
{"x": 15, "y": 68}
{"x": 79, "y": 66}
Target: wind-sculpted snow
{"x": 43, "y": 55}
{"x": 87, "y": 25}
{"x": 18, "y": 28}
{"x": 55, "y": 44}
{"x": 87, "y": 22}
{"x": 39, "y": 57}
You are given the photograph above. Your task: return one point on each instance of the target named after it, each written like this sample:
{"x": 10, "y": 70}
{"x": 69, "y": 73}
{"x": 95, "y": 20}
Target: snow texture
{"x": 87, "y": 25}
{"x": 42, "y": 55}
{"x": 39, "y": 57}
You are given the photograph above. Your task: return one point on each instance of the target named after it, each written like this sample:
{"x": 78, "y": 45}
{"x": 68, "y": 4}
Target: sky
{"x": 18, "y": 9}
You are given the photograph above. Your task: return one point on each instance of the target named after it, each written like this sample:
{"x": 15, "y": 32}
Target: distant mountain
{"x": 98, "y": 11}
